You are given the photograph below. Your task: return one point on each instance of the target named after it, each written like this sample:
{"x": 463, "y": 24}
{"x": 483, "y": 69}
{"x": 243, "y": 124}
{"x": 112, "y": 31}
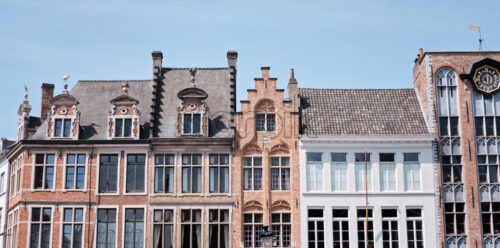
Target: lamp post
{"x": 266, "y": 236}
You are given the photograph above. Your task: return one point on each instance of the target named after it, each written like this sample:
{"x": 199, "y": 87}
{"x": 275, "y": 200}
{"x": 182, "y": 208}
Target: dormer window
{"x": 123, "y": 119}
{"x": 123, "y": 127}
{"x": 62, "y": 127}
{"x": 193, "y": 112}
{"x": 64, "y": 117}
{"x": 266, "y": 122}
{"x": 192, "y": 123}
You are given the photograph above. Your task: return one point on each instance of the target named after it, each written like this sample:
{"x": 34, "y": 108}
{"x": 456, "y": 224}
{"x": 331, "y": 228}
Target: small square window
{"x": 386, "y": 157}
{"x": 410, "y": 157}
{"x": 339, "y": 157}
{"x": 314, "y": 157}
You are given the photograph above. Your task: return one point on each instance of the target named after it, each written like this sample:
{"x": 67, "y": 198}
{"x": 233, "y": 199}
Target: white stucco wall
{"x": 4, "y": 169}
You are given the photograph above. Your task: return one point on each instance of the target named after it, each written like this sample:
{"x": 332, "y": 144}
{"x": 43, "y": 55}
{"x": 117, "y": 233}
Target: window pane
{"x": 70, "y": 159}
{"x": 454, "y": 126}
{"x": 360, "y": 157}
{"x": 118, "y": 127}
{"x": 169, "y": 180}
{"x": 314, "y": 157}
{"x": 187, "y": 123}
{"x": 67, "y": 127}
{"x": 58, "y": 127}
{"x": 213, "y": 184}
{"x": 261, "y": 121}
{"x": 386, "y": 157}
{"x": 186, "y": 180}
{"x": 410, "y": 157}
{"x": 271, "y": 126}
{"x": 49, "y": 177}
{"x": 196, "y": 123}
{"x": 443, "y": 126}
{"x": 224, "y": 179}
{"x": 127, "y": 132}
{"x": 80, "y": 177}
{"x": 158, "y": 180}
{"x": 479, "y": 126}
{"x": 339, "y": 157}
{"x": 70, "y": 177}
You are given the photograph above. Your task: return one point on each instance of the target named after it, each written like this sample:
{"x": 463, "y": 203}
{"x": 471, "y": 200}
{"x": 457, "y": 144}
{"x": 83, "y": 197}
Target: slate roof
{"x": 337, "y": 112}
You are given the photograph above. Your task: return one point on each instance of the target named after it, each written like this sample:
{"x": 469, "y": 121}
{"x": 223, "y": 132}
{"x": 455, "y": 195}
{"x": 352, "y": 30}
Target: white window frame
{"x": 12, "y": 227}
{"x": 108, "y": 152}
{"x": 146, "y": 167}
{"x": 281, "y": 224}
{"x": 363, "y": 219}
{"x": 414, "y": 220}
{"x": 316, "y": 220}
{"x": 312, "y": 172}
{"x": 63, "y": 119}
{"x": 201, "y": 223}
{"x": 341, "y": 230}
{"x": 76, "y": 153}
{"x": 192, "y": 113}
{"x": 280, "y": 169}
{"x": 219, "y": 223}
{"x": 191, "y": 166}
{"x": 30, "y": 222}
{"x": 174, "y": 166}
{"x": 253, "y": 168}
{"x": 385, "y": 176}
{"x": 409, "y": 179}
{"x": 123, "y": 118}
{"x": 336, "y": 174}
{"x": 219, "y": 166}
{"x": 123, "y": 221}
{"x": 34, "y": 164}
{"x": 254, "y": 225}
{"x": 162, "y": 223}
{"x": 265, "y": 121}
{"x": 96, "y": 209}
{"x": 62, "y": 223}
{"x": 390, "y": 230}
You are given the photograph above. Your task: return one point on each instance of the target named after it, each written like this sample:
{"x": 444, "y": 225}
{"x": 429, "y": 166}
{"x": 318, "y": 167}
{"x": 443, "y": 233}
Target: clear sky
{"x": 331, "y": 44}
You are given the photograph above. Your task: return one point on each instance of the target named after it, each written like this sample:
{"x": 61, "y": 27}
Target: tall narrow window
{"x": 447, "y": 102}
{"x": 490, "y": 216}
{"x": 191, "y": 173}
{"x": 191, "y": 228}
{"x": 452, "y": 169}
{"x": 339, "y": 172}
{"x": 192, "y": 123}
{"x": 390, "y": 233}
{"x": 266, "y": 122}
{"x": 134, "y": 227}
{"x": 412, "y": 171}
{"x": 44, "y": 171}
{"x": 252, "y": 228}
{"x": 282, "y": 229}
{"x": 316, "y": 228}
{"x": 75, "y": 171}
{"x": 488, "y": 169}
{"x": 387, "y": 172}
{"x": 219, "y": 173}
{"x": 363, "y": 172}
{"x": 454, "y": 218}
{"x": 106, "y": 228}
{"x": 252, "y": 173}
{"x": 2, "y": 182}
{"x": 72, "y": 228}
{"x": 219, "y": 228}
{"x": 314, "y": 172}
{"x": 365, "y": 231}
{"x": 164, "y": 173}
{"x": 414, "y": 228}
{"x": 340, "y": 228}
{"x": 40, "y": 224}
{"x": 163, "y": 228}
{"x": 108, "y": 173}
{"x": 123, "y": 127}
{"x": 62, "y": 127}
{"x": 136, "y": 172}
{"x": 280, "y": 173}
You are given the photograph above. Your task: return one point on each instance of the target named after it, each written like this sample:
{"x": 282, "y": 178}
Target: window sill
{"x": 281, "y": 190}
{"x": 191, "y": 194}
{"x": 43, "y": 190}
{"x": 74, "y": 190}
{"x": 218, "y": 194}
{"x": 163, "y": 194}
{"x": 107, "y": 194}
{"x": 250, "y": 190}
{"x": 135, "y": 193}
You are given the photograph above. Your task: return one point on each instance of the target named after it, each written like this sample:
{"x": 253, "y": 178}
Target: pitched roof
{"x": 333, "y": 112}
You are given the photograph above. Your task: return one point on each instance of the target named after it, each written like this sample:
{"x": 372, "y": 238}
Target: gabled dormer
{"x": 193, "y": 112}
{"x": 123, "y": 118}
{"x": 64, "y": 117}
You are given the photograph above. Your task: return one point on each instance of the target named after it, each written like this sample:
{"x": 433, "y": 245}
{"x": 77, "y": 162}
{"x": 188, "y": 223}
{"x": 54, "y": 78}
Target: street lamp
{"x": 266, "y": 236}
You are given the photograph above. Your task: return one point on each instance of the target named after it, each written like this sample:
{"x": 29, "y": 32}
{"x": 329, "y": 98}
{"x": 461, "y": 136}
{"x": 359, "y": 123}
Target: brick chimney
{"x": 232, "y": 56}
{"x": 47, "y": 95}
{"x": 293, "y": 91}
{"x": 157, "y": 61}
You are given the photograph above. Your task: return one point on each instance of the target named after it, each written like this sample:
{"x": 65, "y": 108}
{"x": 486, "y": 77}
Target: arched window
{"x": 447, "y": 101}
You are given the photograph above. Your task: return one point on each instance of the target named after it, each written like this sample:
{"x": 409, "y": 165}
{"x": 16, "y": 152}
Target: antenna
{"x": 478, "y": 29}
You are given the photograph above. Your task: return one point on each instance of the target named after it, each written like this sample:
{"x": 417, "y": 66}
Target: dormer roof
{"x": 124, "y": 100}
{"x": 192, "y": 92}
{"x": 64, "y": 100}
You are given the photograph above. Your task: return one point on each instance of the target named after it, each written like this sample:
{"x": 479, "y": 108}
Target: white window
{"x": 2, "y": 181}
{"x": 72, "y": 228}
{"x": 44, "y": 171}
{"x": 164, "y": 173}
{"x": 340, "y": 228}
{"x": 40, "y": 227}
{"x": 136, "y": 173}
{"x": 316, "y": 228}
{"x": 106, "y": 228}
{"x": 414, "y": 228}
{"x": 314, "y": 172}
{"x": 252, "y": 228}
{"x": 390, "y": 233}
{"x": 192, "y": 123}
{"x": 218, "y": 173}
{"x": 266, "y": 122}
{"x": 447, "y": 102}
{"x": 252, "y": 173}
{"x": 163, "y": 228}
{"x": 191, "y": 173}
{"x": 134, "y": 228}
{"x": 365, "y": 230}
{"x": 412, "y": 171}
{"x": 363, "y": 172}
{"x": 339, "y": 172}
{"x": 75, "y": 171}
{"x": 280, "y": 173}
{"x": 191, "y": 228}
{"x": 62, "y": 127}
{"x": 282, "y": 229}
{"x": 12, "y": 223}
{"x": 218, "y": 228}
{"x": 387, "y": 172}
{"x": 123, "y": 127}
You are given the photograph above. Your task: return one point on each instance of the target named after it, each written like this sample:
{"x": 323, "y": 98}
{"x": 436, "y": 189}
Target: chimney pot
{"x": 292, "y": 73}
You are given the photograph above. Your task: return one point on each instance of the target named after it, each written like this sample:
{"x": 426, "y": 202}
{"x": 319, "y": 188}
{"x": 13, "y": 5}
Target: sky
{"x": 330, "y": 44}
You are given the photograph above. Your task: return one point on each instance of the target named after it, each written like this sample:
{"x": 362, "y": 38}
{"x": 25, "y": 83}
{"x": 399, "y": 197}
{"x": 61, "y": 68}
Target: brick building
{"x": 461, "y": 102}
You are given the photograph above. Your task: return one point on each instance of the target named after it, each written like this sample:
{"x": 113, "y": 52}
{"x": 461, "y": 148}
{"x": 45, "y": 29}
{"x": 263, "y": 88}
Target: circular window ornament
{"x": 64, "y": 110}
{"x": 123, "y": 110}
{"x": 192, "y": 106}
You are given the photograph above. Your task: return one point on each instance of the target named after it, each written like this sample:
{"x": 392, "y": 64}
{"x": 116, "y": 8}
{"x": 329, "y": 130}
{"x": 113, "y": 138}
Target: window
{"x": 191, "y": 173}
{"x": 136, "y": 172}
{"x": 454, "y": 218}
{"x": 282, "y": 228}
{"x": 40, "y": 227}
{"x": 108, "y": 173}
{"x": 390, "y": 234}
{"x": 75, "y": 171}
{"x": 266, "y": 122}
{"x": 106, "y": 228}
{"x": 72, "y": 228}
{"x": 485, "y": 126}
{"x": 192, "y": 123}
{"x": 414, "y": 228}
{"x": 448, "y": 126}
{"x": 488, "y": 168}
{"x": 412, "y": 171}
{"x": 164, "y": 173}
{"x": 339, "y": 172}
{"x": 447, "y": 102}
{"x": 44, "y": 171}
{"x": 490, "y": 216}
{"x": 163, "y": 228}
{"x": 314, "y": 172}
{"x": 62, "y": 127}
{"x": 280, "y": 173}
{"x": 12, "y": 228}
{"x": 363, "y": 172}
{"x": 218, "y": 228}
{"x": 134, "y": 227}
{"x": 452, "y": 169}
{"x": 219, "y": 173}
{"x": 252, "y": 228}
{"x": 340, "y": 228}
{"x": 191, "y": 228}
{"x": 123, "y": 127}
{"x": 2, "y": 182}
{"x": 365, "y": 230}
{"x": 252, "y": 173}
{"x": 315, "y": 228}
{"x": 387, "y": 172}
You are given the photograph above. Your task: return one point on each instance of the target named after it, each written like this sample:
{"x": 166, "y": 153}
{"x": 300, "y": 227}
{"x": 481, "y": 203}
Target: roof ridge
{"x": 111, "y": 81}
{"x": 197, "y": 68}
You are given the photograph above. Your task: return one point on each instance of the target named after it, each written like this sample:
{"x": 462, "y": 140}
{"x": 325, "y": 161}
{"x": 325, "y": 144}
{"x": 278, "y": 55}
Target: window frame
{"x": 40, "y": 222}
{"x": 253, "y": 168}
{"x": 341, "y": 229}
{"x": 62, "y": 223}
{"x": 414, "y": 220}
{"x": 369, "y": 165}
{"x": 164, "y": 165}
{"x": 455, "y": 213}
{"x": 123, "y": 222}
{"x": 63, "y": 120}
{"x": 365, "y": 231}
{"x": 336, "y": 173}
{"x": 219, "y": 224}
{"x": 280, "y": 169}
{"x": 191, "y": 166}
{"x": 33, "y": 179}
{"x": 219, "y": 166}
{"x": 117, "y": 216}
{"x": 191, "y": 223}
{"x": 123, "y": 118}
{"x": 133, "y": 153}
{"x": 407, "y": 180}
{"x": 312, "y": 169}
{"x": 118, "y": 170}
{"x": 174, "y": 223}
{"x": 384, "y": 173}
{"x": 11, "y": 229}
{"x": 192, "y": 113}
{"x": 266, "y": 122}
{"x": 255, "y": 225}
{"x": 75, "y": 165}
{"x": 281, "y": 225}
{"x": 390, "y": 220}
{"x": 316, "y": 220}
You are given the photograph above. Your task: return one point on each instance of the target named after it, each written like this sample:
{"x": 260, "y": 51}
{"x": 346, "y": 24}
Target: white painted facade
{"x": 4, "y": 198}
{"x": 350, "y": 199}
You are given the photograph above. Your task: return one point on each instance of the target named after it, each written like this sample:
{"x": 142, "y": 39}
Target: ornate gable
{"x": 123, "y": 117}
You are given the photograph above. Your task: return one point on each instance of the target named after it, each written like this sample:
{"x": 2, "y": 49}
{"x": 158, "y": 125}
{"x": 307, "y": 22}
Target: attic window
{"x": 62, "y": 127}
{"x": 266, "y": 122}
{"x": 123, "y": 127}
{"x": 192, "y": 123}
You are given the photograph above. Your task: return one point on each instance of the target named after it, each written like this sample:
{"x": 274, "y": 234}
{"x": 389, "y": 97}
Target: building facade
{"x": 367, "y": 170}
{"x": 4, "y": 188}
{"x": 460, "y": 99}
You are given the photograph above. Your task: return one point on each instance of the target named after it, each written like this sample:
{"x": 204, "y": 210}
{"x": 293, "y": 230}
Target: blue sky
{"x": 331, "y": 44}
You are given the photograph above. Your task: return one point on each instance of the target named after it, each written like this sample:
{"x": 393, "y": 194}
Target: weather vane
{"x": 478, "y": 29}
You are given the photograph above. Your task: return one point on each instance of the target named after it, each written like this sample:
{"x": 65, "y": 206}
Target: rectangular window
{"x": 280, "y": 173}
{"x": 314, "y": 172}
{"x": 414, "y": 228}
{"x": 448, "y": 126}
{"x": 479, "y": 126}
{"x": 108, "y": 173}
{"x": 191, "y": 228}
{"x": 252, "y": 228}
{"x": 72, "y": 228}
{"x": 282, "y": 229}
{"x": 2, "y": 182}
{"x": 62, "y": 127}
{"x": 365, "y": 230}
{"x": 218, "y": 228}
{"x": 219, "y": 173}
{"x": 266, "y": 122}
{"x": 136, "y": 172}
{"x": 339, "y": 172}
{"x": 134, "y": 227}
{"x": 340, "y": 218}
{"x": 164, "y": 173}
{"x": 390, "y": 234}
{"x": 67, "y": 128}
{"x": 163, "y": 228}
{"x": 106, "y": 228}
{"x": 252, "y": 173}
{"x": 191, "y": 173}
{"x": 363, "y": 177}
{"x": 192, "y": 123}
{"x": 40, "y": 227}
{"x": 454, "y": 218}
{"x": 387, "y": 177}
{"x": 490, "y": 216}
{"x": 488, "y": 168}
{"x": 452, "y": 169}
{"x": 44, "y": 171}
{"x": 58, "y": 127}
{"x": 315, "y": 228}
{"x": 412, "y": 171}
{"x": 123, "y": 127}
{"x": 75, "y": 171}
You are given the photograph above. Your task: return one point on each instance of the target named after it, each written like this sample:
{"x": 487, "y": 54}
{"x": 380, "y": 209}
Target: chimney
{"x": 47, "y": 95}
{"x": 157, "y": 60}
{"x": 265, "y": 72}
{"x": 232, "y": 56}
{"x": 293, "y": 91}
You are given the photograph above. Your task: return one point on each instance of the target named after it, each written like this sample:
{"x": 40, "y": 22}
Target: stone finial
{"x": 25, "y": 93}
{"x": 193, "y": 74}
{"x": 125, "y": 87}
{"x": 65, "y": 78}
